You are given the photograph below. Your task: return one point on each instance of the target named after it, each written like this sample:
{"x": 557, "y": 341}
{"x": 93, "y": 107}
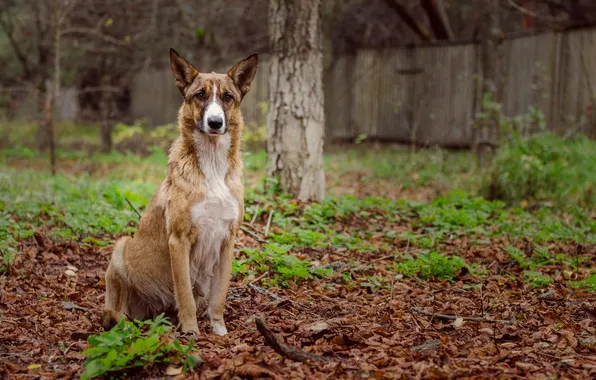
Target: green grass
{"x": 546, "y": 167}
{"x": 87, "y": 204}
{"x": 136, "y": 344}
{"x": 91, "y": 211}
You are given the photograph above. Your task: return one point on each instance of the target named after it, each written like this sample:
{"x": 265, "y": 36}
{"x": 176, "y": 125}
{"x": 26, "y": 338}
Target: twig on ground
{"x": 383, "y": 258}
{"x": 266, "y": 292}
{"x": 254, "y": 217}
{"x": 258, "y": 278}
{"x": 133, "y": 207}
{"x": 282, "y": 348}
{"x": 481, "y": 300}
{"x": 454, "y": 317}
{"x": 268, "y": 223}
{"x": 253, "y": 235}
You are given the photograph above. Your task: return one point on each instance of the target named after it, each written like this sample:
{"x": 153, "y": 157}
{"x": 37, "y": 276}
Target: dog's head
{"x": 212, "y": 101}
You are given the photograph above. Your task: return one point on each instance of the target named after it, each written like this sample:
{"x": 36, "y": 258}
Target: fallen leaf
{"x": 70, "y": 273}
{"x": 316, "y": 327}
{"x": 70, "y": 306}
{"x": 173, "y": 371}
{"x": 428, "y": 345}
{"x": 34, "y": 366}
{"x": 459, "y": 321}
{"x": 487, "y": 330}
{"x": 255, "y": 370}
{"x": 525, "y": 366}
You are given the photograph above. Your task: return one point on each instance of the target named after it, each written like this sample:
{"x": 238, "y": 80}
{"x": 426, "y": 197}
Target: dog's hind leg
{"x": 117, "y": 292}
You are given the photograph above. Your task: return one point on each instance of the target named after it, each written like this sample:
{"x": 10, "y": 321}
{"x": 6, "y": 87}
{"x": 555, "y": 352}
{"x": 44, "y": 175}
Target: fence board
{"x": 425, "y": 94}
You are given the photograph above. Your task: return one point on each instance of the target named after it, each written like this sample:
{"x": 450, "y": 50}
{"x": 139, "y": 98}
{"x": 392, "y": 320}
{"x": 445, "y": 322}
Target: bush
{"x": 545, "y": 167}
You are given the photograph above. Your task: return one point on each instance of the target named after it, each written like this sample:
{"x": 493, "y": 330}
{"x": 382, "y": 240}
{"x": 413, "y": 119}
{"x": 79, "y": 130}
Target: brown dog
{"x": 182, "y": 252}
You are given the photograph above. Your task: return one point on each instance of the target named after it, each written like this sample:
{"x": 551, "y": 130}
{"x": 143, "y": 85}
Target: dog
{"x": 181, "y": 256}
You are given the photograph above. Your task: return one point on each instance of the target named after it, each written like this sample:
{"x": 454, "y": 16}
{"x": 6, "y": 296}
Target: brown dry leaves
{"x": 50, "y": 305}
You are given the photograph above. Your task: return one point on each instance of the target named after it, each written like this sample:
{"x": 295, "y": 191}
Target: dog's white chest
{"x": 215, "y": 213}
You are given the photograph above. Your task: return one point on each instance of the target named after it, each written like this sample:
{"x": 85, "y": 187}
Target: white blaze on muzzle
{"x": 214, "y": 119}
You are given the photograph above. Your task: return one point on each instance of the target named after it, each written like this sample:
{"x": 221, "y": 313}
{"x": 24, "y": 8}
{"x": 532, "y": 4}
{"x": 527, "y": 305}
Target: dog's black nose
{"x": 215, "y": 122}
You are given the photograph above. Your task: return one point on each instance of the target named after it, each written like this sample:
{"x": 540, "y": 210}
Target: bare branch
{"x": 454, "y": 317}
{"x": 8, "y": 30}
{"x": 405, "y": 15}
{"x": 97, "y": 34}
{"x": 282, "y": 348}
{"x": 439, "y": 22}
{"x": 531, "y": 13}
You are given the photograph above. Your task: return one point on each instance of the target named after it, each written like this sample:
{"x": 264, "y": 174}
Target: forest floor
{"x": 398, "y": 274}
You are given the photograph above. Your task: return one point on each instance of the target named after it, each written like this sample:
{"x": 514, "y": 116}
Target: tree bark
{"x": 296, "y": 117}
{"x": 488, "y": 132}
{"x": 55, "y": 97}
{"x": 43, "y": 135}
{"x": 106, "y": 123}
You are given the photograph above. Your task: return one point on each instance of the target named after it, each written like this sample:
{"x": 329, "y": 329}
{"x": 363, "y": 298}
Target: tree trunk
{"x": 106, "y": 123}
{"x": 488, "y": 132}
{"x": 296, "y": 116}
{"x": 55, "y": 98}
{"x": 43, "y": 134}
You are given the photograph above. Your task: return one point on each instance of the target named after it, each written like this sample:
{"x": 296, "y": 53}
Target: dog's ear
{"x": 243, "y": 73}
{"x": 184, "y": 72}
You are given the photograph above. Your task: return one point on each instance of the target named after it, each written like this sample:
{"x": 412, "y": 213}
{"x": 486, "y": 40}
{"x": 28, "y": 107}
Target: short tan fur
{"x": 180, "y": 259}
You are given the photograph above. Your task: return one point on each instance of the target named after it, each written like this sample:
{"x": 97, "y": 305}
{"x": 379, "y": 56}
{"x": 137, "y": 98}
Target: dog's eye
{"x": 200, "y": 94}
{"x": 228, "y": 97}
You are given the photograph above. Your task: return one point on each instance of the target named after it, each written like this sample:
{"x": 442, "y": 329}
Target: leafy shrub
{"x": 589, "y": 283}
{"x": 282, "y": 265}
{"x": 432, "y": 265}
{"x": 519, "y": 256}
{"x": 254, "y": 136}
{"x": 138, "y": 137}
{"x": 458, "y": 209}
{"x": 545, "y": 167}
{"x": 537, "y": 279}
{"x": 136, "y": 344}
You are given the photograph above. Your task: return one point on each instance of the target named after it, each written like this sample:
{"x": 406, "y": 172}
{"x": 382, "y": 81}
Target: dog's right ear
{"x": 184, "y": 72}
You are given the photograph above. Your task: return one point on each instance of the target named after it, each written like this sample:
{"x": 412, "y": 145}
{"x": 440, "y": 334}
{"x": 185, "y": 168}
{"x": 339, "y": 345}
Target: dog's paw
{"x": 190, "y": 328}
{"x": 219, "y": 328}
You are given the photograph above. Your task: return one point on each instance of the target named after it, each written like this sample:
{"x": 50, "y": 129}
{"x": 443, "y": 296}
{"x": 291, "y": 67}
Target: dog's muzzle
{"x": 214, "y": 119}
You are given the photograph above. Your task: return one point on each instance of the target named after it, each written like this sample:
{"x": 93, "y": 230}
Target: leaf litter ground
{"x": 378, "y": 303}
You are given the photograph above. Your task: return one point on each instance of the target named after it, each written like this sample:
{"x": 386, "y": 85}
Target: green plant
{"x": 136, "y": 344}
{"x": 519, "y": 257}
{"x": 282, "y": 265}
{"x": 537, "y": 279}
{"x": 545, "y": 167}
{"x": 432, "y": 265}
{"x": 589, "y": 283}
{"x": 254, "y": 135}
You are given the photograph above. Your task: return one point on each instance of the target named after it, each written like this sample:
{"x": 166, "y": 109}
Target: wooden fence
{"x": 427, "y": 94}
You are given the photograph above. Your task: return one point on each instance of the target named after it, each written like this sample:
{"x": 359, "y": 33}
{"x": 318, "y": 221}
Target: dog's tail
{"x": 117, "y": 275}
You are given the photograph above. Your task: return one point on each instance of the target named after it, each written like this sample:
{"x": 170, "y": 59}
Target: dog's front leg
{"x": 180, "y": 261}
{"x": 219, "y": 286}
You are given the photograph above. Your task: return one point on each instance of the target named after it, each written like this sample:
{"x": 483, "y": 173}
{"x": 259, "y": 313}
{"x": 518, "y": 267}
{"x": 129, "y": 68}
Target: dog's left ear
{"x": 243, "y": 72}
